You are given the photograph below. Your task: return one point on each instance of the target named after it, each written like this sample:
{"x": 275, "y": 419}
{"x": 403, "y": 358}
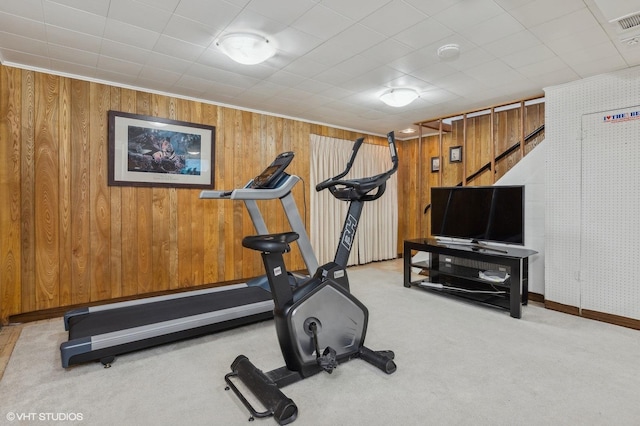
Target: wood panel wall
{"x": 483, "y": 137}
{"x": 70, "y": 239}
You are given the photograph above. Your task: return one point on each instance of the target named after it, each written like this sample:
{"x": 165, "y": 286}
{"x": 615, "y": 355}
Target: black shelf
{"x": 493, "y": 300}
{"x": 464, "y": 281}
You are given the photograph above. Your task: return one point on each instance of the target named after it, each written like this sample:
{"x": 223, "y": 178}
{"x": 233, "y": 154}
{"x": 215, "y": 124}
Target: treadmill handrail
{"x": 248, "y": 193}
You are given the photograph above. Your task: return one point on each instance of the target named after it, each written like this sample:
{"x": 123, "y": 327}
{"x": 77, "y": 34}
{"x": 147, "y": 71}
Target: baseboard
{"x": 536, "y": 297}
{"x": 594, "y": 315}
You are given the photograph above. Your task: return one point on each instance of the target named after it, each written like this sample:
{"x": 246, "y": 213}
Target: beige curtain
{"x": 376, "y": 238}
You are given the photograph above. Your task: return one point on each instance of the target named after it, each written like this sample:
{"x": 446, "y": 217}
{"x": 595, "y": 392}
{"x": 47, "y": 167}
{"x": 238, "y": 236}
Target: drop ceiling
{"x": 334, "y": 57}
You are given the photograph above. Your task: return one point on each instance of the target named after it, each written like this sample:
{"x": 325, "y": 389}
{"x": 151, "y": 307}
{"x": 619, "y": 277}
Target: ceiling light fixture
{"x": 399, "y": 97}
{"x": 245, "y": 48}
{"x": 449, "y": 52}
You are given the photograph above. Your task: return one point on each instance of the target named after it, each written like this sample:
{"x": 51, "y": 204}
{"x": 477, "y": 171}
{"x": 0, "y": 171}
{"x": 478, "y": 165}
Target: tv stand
{"x": 452, "y": 276}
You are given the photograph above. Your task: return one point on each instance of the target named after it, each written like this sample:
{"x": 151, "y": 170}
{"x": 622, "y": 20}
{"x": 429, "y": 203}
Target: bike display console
{"x": 496, "y": 276}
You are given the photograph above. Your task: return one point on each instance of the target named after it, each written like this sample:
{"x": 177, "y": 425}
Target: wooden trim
{"x": 612, "y": 319}
{"x": 516, "y": 101}
{"x": 567, "y": 309}
{"x": 536, "y": 297}
{"x": 522, "y": 130}
{"x": 492, "y": 139}
{"x": 594, "y": 315}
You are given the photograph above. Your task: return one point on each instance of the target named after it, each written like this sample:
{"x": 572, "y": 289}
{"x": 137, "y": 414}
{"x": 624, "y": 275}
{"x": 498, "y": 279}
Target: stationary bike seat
{"x": 270, "y": 243}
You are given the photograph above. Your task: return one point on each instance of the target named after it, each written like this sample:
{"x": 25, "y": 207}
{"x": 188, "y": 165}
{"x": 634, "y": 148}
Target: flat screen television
{"x": 479, "y": 213}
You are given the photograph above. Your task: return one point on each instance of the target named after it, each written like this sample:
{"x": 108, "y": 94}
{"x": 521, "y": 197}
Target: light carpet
{"x": 458, "y": 364}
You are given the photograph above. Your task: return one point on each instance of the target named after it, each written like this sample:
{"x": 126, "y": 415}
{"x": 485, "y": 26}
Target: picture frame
{"x": 435, "y": 164}
{"x": 159, "y": 152}
{"x": 455, "y": 154}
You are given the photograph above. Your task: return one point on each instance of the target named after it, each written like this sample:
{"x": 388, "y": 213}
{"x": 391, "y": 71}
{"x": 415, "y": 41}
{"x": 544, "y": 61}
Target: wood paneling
{"x": 70, "y": 239}
{"x": 483, "y": 136}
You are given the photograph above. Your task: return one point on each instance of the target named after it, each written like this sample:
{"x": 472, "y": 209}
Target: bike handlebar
{"x": 360, "y": 188}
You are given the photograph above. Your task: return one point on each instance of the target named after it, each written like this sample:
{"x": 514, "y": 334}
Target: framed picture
{"x": 435, "y": 164}
{"x": 455, "y": 154}
{"x": 153, "y": 151}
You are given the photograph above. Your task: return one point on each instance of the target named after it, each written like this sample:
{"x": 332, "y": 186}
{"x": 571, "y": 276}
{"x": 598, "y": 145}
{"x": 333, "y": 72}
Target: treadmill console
{"x": 271, "y": 175}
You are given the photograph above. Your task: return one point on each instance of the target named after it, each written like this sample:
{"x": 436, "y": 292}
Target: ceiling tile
{"x": 566, "y": 25}
{"x": 70, "y": 68}
{"x": 215, "y": 13}
{"x": 492, "y": 29}
{"x": 74, "y": 56}
{"x": 512, "y": 4}
{"x": 167, "y": 63}
{"x": 512, "y": 44}
{"x": 388, "y": 50}
{"x": 590, "y": 54}
{"x": 29, "y": 9}
{"x": 72, "y": 39}
{"x": 434, "y": 72}
{"x": 354, "y": 9}
{"x": 139, "y": 15}
{"x": 169, "y": 5}
{"x": 357, "y": 65}
{"x": 161, "y": 77}
{"x": 384, "y": 19}
{"x": 542, "y": 67}
{"x": 357, "y": 38}
{"x": 468, "y": 13}
{"x": 581, "y": 40}
{"x": 97, "y": 7}
{"x": 322, "y": 22}
{"x": 130, "y": 34}
{"x": 17, "y": 25}
{"x": 178, "y": 48}
{"x": 470, "y": 58}
{"x": 118, "y": 66}
{"x": 23, "y": 44}
{"x": 540, "y": 11}
{"x": 190, "y": 31}
{"x": 251, "y": 21}
{"x": 494, "y": 73}
{"x": 283, "y": 11}
{"x": 74, "y": 19}
{"x": 423, "y": 33}
{"x": 431, "y": 7}
{"x": 19, "y": 57}
{"x": 295, "y": 42}
{"x": 598, "y": 65}
{"x": 528, "y": 56}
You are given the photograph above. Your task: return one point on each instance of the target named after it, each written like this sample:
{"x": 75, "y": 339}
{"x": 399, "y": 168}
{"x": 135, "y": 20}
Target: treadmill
{"x": 105, "y": 331}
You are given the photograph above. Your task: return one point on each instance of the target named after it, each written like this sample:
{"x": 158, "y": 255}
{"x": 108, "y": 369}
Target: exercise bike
{"x": 319, "y": 324}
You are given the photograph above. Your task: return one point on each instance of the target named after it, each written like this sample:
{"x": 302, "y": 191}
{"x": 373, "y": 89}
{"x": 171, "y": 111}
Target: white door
{"x": 610, "y": 219}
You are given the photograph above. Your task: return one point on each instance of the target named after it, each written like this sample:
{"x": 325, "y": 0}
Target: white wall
{"x": 530, "y": 172}
{"x": 565, "y": 280}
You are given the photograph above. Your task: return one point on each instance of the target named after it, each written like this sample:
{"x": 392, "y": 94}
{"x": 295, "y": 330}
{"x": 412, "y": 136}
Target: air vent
{"x": 629, "y": 22}
{"x": 624, "y": 14}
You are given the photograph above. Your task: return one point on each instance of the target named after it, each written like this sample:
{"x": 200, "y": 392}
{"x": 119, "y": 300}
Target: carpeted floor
{"x": 458, "y": 364}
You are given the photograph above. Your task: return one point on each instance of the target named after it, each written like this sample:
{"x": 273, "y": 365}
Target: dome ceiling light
{"x": 399, "y": 97}
{"x": 245, "y": 48}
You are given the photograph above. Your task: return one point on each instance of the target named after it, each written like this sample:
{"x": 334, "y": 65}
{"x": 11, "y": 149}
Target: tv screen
{"x": 479, "y": 213}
